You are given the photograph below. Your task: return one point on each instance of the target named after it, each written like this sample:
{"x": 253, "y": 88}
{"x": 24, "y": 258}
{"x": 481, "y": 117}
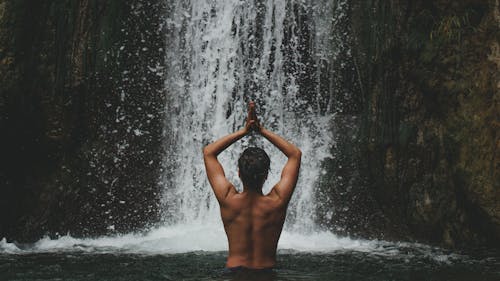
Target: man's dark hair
{"x": 254, "y": 166}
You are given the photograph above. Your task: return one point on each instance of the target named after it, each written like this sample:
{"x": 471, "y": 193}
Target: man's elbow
{"x": 207, "y": 151}
{"x": 297, "y": 153}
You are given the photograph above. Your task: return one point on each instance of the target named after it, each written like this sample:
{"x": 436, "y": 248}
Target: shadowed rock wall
{"x": 81, "y": 116}
{"x": 429, "y": 73}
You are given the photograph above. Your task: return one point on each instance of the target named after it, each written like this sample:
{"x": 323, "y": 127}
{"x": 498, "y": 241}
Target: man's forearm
{"x": 221, "y": 144}
{"x": 287, "y": 148}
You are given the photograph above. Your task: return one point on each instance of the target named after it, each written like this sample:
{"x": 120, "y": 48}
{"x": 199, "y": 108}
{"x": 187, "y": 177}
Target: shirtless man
{"x": 252, "y": 221}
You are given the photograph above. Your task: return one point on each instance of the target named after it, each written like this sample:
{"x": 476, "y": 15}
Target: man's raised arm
{"x": 290, "y": 174}
{"x": 215, "y": 173}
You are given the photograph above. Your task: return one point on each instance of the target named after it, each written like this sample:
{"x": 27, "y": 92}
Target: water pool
{"x": 177, "y": 254}
{"x": 340, "y": 265}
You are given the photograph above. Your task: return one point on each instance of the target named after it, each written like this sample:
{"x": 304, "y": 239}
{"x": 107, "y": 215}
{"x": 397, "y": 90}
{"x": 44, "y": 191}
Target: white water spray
{"x": 220, "y": 55}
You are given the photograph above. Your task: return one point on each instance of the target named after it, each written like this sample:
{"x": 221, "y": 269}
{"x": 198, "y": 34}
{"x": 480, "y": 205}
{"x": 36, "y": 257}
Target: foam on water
{"x": 182, "y": 239}
{"x": 186, "y": 238}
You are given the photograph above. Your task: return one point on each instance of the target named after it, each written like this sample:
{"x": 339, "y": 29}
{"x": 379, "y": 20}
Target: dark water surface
{"x": 406, "y": 264}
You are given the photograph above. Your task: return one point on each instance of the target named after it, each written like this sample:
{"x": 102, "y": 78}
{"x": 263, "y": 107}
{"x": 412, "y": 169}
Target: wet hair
{"x": 254, "y": 166}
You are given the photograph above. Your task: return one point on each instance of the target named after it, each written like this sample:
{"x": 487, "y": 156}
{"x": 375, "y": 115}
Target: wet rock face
{"x": 81, "y": 100}
{"x": 430, "y": 74}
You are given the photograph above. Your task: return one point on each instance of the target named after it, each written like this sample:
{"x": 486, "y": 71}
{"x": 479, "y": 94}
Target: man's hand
{"x": 252, "y": 122}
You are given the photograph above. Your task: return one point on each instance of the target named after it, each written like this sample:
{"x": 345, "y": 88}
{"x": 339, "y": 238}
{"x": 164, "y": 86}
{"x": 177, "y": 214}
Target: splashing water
{"x": 221, "y": 54}
{"x": 187, "y": 238}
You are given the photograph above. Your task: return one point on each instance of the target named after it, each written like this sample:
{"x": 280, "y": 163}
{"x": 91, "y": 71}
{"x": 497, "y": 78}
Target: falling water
{"x": 222, "y": 54}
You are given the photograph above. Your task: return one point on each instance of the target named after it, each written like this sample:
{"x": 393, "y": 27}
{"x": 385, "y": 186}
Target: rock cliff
{"x": 80, "y": 101}
{"x": 429, "y": 82}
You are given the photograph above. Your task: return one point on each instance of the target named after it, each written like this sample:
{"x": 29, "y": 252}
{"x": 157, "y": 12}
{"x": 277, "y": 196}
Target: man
{"x": 252, "y": 221}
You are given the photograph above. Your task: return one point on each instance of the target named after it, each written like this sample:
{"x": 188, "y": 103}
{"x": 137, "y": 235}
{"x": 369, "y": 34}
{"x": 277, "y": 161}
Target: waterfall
{"x": 222, "y": 54}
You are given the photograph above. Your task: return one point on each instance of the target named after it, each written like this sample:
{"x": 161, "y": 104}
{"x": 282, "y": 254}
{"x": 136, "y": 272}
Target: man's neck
{"x": 253, "y": 191}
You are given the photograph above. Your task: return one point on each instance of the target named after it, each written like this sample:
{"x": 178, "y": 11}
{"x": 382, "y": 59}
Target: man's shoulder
{"x": 273, "y": 194}
{"x": 272, "y": 200}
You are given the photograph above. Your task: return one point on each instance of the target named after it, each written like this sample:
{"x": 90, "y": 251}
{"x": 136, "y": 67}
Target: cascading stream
{"x": 220, "y": 55}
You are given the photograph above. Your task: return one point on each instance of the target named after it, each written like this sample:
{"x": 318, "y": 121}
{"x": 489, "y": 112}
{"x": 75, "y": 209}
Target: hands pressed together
{"x": 252, "y": 122}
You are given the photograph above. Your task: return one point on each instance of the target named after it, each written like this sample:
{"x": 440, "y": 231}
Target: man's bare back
{"x": 253, "y": 222}
{"x": 253, "y": 225}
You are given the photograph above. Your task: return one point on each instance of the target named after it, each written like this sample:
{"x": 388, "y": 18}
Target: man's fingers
{"x": 251, "y": 108}
{"x": 252, "y": 121}
{"x": 251, "y": 111}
